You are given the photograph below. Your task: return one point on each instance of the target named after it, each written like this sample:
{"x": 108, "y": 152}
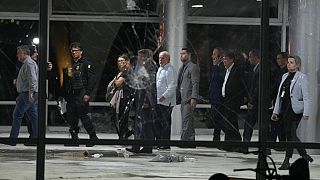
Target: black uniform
{"x": 80, "y": 83}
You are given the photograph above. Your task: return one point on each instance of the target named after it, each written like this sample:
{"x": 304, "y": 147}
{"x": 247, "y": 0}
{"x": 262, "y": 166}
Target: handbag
{"x": 110, "y": 91}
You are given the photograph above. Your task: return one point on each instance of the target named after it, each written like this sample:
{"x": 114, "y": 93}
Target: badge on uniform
{"x": 89, "y": 66}
{"x": 78, "y": 68}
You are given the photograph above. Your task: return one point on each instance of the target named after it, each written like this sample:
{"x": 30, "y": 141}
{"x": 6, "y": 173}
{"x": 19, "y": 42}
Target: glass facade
{"x": 107, "y": 29}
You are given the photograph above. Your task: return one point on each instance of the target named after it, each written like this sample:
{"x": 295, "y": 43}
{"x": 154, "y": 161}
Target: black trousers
{"x": 216, "y": 116}
{"x": 231, "y": 123}
{"x": 78, "y": 109}
{"x": 162, "y": 124}
{"x": 291, "y": 121}
{"x": 144, "y": 126}
{"x": 250, "y": 123}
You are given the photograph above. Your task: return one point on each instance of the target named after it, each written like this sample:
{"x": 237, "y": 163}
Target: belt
{"x": 25, "y": 92}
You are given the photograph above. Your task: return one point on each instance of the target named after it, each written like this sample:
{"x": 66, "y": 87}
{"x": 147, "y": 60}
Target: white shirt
{"x": 166, "y": 85}
{"x": 225, "y": 80}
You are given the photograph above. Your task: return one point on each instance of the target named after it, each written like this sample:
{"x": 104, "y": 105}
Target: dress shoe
{"x": 146, "y": 150}
{"x": 243, "y": 150}
{"x": 308, "y": 158}
{"x": 93, "y": 137}
{"x": 164, "y": 148}
{"x": 133, "y": 150}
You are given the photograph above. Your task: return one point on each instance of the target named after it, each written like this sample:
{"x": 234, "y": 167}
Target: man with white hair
{"x": 166, "y": 82}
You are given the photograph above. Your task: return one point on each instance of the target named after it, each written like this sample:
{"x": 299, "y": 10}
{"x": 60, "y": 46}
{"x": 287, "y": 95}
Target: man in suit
{"x": 233, "y": 89}
{"x": 188, "y": 93}
{"x": 253, "y": 96}
{"x": 276, "y": 130}
{"x": 217, "y": 73}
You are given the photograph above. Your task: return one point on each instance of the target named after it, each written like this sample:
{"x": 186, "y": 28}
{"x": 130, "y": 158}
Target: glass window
{"x": 110, "y": 7}
{"x": 19, "y": 6}
{"x": 102, "y": 44}
{"x": 13, "y": 33}
{"x": 203, "y": 38}
{"x": 230, "y": 8}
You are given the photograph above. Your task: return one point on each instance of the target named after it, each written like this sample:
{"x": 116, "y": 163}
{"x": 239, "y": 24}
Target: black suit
{"x": 215, "y": 97}
{"x": 253, "y": 99}
{"x": 234, "y": 93}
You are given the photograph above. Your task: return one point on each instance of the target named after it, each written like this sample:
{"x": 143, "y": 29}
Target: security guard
{"x": 80, "y": 83}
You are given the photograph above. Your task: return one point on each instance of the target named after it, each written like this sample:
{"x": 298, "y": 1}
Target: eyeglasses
{"x": 121, "y": 60}
{"x": 75, "y": 50}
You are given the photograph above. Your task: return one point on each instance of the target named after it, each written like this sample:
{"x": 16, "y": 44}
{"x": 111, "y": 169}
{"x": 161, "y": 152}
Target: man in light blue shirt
{"x": 166, "y": 82}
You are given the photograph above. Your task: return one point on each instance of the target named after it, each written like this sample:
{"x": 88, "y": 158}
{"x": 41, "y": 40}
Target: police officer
{"x": 81, "y": 81}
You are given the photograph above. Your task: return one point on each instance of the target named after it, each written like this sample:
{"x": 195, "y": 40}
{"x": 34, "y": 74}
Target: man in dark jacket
{"x": 78, "y": 89}
{"x": 215, "y": 96}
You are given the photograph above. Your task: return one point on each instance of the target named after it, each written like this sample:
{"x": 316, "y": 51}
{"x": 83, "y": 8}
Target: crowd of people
{"x": 231, "y": 85}
{"x": 153, "y": 91}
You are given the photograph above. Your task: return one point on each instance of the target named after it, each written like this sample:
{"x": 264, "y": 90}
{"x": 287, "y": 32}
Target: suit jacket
{"x": 235, "y": 88}
{"x": 254, "y": 86}
{"x": 188, "y": 87}
{"x": 216, "y": 81}
{"x": 299, "y": 94}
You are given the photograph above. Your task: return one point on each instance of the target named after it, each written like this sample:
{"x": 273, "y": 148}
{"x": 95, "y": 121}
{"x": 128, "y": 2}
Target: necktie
{"x": 180, "y": 74}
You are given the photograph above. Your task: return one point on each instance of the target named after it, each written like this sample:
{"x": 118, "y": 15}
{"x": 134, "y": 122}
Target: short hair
{"x": 165, "y": 53}
{"x": 75, "y": 45}
{"x": 219, "y": 49}
{"x": 24, "y": 48}
{"x": 297, "y": 59}
{"x": 230, "y": 54}
{"x": 283, "y": 55}
{"x": 186, "y": 49}
{"x": 255, "y": 52}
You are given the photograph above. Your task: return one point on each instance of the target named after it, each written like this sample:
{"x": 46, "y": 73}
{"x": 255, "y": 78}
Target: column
{"x": 304, "y": 40}
{"x": 175, "y": 39}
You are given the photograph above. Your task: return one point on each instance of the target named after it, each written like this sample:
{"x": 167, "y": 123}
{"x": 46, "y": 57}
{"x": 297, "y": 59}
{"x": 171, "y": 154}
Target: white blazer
{"x": 299, "y": 94}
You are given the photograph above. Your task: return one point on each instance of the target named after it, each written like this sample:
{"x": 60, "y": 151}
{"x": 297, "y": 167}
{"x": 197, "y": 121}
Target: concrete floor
{"x": 19, "y": 162}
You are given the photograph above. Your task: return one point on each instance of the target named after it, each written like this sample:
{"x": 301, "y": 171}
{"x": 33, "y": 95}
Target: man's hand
{"x": 49, "y": 67}
{"x": 86, "y": 98}
{"x": 161, "y": 99}
{"x": 30, "y": 97}
{"x": 305, "y": 118}
{"x": 14, "y": 82}
{"x": 193, "y": 103}
{"x": 274, "y": 117}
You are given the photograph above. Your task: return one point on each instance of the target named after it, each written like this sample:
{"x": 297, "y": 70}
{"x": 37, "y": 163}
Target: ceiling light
{"x": 197, "y": 6}
{"x": 35, "y": 40}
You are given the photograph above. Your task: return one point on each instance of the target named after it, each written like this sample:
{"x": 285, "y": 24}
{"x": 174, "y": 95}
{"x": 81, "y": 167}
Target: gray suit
{"x": 299, "y": 94}
{"x": 188, "y": 88}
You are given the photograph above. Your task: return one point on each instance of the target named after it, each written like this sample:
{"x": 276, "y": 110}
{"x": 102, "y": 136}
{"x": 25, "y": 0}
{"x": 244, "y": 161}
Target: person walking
{"x": 27, "y": 88}
{"x": 79, "y": 88}
{"x": 292, "y": 105}
{"x": 166, "y": 82}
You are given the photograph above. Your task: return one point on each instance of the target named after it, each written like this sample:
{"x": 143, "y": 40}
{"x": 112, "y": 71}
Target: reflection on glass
{"x": 110, "y": 7}
{"x": 31, "y": 6}
{"x": 230, "y": 8}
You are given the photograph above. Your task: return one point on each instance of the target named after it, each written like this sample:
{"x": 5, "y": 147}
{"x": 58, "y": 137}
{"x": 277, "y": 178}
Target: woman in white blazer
{"x": 292, "y": 105}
